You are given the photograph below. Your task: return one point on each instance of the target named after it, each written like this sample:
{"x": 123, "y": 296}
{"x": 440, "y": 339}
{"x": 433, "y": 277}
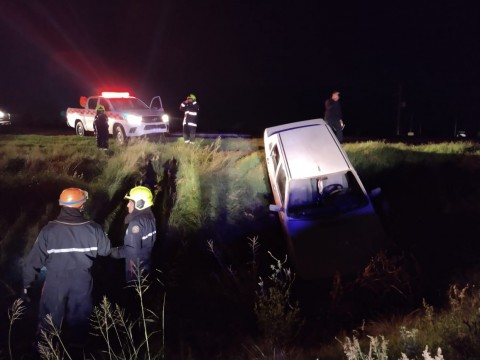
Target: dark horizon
{"x": 251, "y": 65}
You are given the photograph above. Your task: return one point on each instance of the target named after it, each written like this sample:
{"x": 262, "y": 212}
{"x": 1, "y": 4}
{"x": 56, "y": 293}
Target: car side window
{"x": 92, "y": 103}
{"x": 105, "y": 104}
{"x": 275, "y": 157}
{"x": 281, "y": 178}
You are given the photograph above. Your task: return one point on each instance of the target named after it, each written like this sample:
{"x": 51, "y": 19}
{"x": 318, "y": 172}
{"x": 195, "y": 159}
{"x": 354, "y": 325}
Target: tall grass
{"x": 111, "y": 324}
{"x": 15, "y": 312}
{"x": 279, "y": 320}
{"x": 129, "y": 338}
{"x": 375, "y": 156}
{"x": 452, "y": 331}
{"x": 213, "y": 184}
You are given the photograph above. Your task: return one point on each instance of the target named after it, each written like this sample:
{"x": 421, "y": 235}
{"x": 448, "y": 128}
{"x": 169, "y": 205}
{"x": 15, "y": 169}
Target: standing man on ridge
{"x": 190, "y": 108}
{"x": 333, "y": 115}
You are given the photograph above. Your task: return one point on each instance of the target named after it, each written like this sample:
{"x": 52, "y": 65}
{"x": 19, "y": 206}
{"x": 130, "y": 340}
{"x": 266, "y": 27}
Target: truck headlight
{"x": 134, "y": 120}
{"x": 165, "y": 118}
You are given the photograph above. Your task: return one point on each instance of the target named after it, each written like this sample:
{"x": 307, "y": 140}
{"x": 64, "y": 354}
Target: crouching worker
{"x": 140, "y": 235}
{"x": 67, "y": 247}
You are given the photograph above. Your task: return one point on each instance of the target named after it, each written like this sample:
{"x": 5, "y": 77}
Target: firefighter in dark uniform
{"x": 140, "y": 235}
{"x": 67, "y": 247}
{"x": 190, "y": 108}
{"x": 100, "y": 125}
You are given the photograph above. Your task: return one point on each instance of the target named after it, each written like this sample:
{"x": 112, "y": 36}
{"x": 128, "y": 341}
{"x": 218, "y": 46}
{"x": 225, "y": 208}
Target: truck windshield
{"x": 131, "y": 103}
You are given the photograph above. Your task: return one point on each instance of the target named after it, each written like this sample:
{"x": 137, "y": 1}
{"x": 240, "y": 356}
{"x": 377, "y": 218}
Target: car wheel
{"x": 79, "y": 128}
{"x": 119, "y": 135}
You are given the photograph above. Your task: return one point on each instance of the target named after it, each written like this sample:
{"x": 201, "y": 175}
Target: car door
{"x": 277, "y": 175}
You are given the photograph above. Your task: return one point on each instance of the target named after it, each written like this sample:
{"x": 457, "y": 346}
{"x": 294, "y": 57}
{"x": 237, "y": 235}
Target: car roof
{"x": 310, "y": 148}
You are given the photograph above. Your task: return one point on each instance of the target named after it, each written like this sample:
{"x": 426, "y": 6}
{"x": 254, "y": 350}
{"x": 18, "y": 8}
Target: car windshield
{"x": 325, "y": 196}
{"x": 130, "y": 103}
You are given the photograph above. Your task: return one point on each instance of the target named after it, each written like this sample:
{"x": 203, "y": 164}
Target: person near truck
{"x": 140, "y": 235}
{"x": 100, "y": 125}
{"x": 66, "y": 247}
{"x": 333, "y": 115}
{"x": 190, "y": 108}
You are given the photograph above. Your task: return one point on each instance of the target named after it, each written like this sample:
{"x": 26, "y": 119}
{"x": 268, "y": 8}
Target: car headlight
{"x": 165, "y": 118}
{"x": 2, "y": 114}
{"x": 134, "y": 120}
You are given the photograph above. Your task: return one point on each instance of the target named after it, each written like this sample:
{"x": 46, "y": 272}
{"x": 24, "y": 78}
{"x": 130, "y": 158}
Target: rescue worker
{"x": 190, "y": 107}
{"x": 100, "y": 124}
{"x": 67, "y": 247}
{"x": 140, "y": 235}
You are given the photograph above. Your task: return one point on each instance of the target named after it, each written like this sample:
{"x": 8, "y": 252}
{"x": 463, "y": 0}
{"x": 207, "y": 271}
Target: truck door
{"x": 157, "y": 106}
{"x": 156, "y": 103}
{"x": 90, "y": 113}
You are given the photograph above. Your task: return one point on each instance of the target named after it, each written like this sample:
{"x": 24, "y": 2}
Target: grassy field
{"x": 226, "y": 290}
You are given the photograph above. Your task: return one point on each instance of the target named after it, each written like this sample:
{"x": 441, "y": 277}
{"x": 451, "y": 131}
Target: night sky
{"x": 251, "y": 63}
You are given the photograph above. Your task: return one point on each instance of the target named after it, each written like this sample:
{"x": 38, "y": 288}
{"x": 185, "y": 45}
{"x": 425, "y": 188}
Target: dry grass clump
{"x": 121, "y": 337}
{"x": 452, "y": 331}
{"x": 278, "y": 318}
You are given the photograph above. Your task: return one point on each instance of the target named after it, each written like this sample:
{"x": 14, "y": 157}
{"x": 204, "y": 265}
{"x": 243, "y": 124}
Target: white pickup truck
{"x": 128, "y": 116}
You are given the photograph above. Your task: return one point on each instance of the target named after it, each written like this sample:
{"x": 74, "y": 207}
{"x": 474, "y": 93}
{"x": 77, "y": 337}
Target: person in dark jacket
{"x": 333, "y": 115}
{"x": 100, "y": 125}
{"x": 140, "y": 235}
{"x": 190, "y": 108}
{"x": 67, "y": 247}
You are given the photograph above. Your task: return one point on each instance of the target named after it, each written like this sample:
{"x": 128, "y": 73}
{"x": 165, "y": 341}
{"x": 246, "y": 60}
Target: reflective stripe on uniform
{"x": 192, "y": 124}
{"x": 191, "y": 112}
{"x": 148, "y": 235}
{"x": 58, "y": 251}
{"x": 69, "y": 223}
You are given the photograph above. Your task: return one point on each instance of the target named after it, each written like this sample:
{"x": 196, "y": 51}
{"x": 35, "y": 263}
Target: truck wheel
{"x": 119, "y": 135}
{"x": 79, "y": 128}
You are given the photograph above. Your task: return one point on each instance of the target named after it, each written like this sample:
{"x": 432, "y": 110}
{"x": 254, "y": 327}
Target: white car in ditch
{"x": 329, "y": 220}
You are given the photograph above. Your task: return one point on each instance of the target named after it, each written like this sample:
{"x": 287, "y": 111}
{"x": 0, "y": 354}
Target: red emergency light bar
{"x": 112, "y": 94}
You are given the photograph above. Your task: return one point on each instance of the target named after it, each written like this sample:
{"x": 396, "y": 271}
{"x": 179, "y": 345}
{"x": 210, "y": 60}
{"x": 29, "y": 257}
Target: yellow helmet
{"x": 141, "y": 196}
{"x": 100, "y": 108}
{"x": 73, "y": 198}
